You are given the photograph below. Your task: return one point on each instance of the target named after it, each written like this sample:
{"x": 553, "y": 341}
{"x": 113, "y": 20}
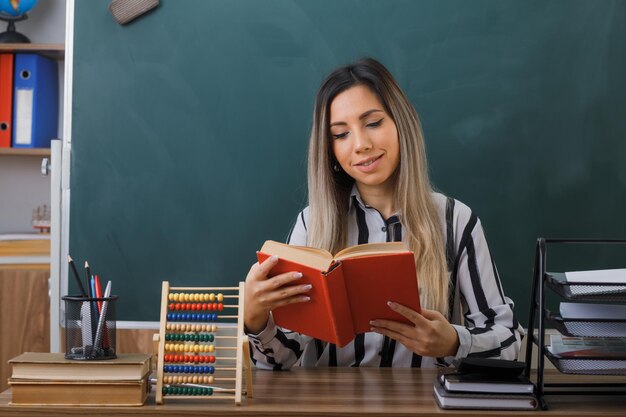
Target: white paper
{"x": 23, "y": 132}
{"x": 588, "y": 312}
{"x": 593, "y": 311}
{"x": 601, "y": 276}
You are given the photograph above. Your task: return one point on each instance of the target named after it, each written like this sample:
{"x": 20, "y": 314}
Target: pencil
{"x": 98, "y": 289}
{"x": 80, "y": 284}
{"x": 88, "y": 278}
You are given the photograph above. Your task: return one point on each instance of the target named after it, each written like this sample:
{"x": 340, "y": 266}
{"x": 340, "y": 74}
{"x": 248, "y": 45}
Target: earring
{"x": 336, "y": 167}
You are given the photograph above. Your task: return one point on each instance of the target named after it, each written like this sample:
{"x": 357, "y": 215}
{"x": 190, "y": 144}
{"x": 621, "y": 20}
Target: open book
{"x": 349, "y": 289}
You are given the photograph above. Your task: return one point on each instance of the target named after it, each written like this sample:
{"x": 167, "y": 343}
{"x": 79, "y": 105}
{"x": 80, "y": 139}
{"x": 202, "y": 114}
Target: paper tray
{"x": 587, "y": 291}
{"x": 587, "y": 327}
{"x": 588, "y": 366}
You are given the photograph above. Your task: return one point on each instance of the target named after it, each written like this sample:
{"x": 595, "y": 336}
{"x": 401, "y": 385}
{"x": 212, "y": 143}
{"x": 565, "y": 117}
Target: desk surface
{"x": 332, "y": 391}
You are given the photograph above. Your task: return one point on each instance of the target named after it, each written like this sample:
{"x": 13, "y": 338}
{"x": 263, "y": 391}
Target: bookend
{"x": 538, "y": 315}
{"x": 202, "y": 350}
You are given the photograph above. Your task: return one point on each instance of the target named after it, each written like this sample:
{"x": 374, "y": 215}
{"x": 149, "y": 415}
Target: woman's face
{"x": 364, "y": 137}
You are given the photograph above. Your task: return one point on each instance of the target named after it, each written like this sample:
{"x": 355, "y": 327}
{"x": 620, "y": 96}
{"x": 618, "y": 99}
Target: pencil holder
{"x": 90, "y": 327}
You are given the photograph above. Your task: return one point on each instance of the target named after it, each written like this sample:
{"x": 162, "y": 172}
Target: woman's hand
{"x": 430, "y": 335}
{"x": 264, "y": 294}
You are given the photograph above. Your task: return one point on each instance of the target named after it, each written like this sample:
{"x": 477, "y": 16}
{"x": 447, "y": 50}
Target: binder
{"x": 35, "y": 101}
{"x": 6, "y": 99}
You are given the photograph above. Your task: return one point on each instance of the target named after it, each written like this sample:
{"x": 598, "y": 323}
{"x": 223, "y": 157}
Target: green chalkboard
{"x": 190, "y": 126}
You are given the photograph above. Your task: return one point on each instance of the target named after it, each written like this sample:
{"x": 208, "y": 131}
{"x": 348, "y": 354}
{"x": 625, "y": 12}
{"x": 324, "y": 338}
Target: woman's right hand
{"x": 263, "y": 293}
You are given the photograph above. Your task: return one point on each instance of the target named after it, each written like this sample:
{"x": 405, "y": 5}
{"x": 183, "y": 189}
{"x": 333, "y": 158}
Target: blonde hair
{"x": 329, "y": 190}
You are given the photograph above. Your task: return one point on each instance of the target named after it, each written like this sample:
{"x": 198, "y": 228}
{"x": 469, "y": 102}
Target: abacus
{"x": 198, "y": 357}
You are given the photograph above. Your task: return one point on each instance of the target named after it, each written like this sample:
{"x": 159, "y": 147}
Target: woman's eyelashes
{"x": 340, "y": 135}
{"x": 374, "y": 124}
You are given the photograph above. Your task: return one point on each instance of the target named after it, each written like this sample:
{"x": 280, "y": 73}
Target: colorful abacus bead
{"x": 186, "y": 369}
{"x": 195, "y": 379}
{"x": 191, "y": 317}
{"x": 178, "y": 347}
{"x": 187, "y": 390}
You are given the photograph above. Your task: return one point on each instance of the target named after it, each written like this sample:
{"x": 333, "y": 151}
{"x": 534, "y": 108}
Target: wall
{"x": 45, "y": 23}
{"x": 22, "y": 188}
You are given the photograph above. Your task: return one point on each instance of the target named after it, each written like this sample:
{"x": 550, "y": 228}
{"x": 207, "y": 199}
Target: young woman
{"x": 368, "y": 182}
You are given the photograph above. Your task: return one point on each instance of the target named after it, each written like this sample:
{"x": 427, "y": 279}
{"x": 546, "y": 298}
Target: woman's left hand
{"x": 430, "y": 335}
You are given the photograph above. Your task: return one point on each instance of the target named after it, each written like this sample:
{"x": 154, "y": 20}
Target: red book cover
{"x": 347, "y": 292}
{"x": 372, "y": 281}
{"x": 316, "y": 317}
{"x": 6, "y": 99}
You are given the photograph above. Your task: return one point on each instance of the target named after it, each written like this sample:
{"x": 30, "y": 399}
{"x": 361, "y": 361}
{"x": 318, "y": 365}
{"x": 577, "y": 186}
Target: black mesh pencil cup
{"x": 90, "y": 327}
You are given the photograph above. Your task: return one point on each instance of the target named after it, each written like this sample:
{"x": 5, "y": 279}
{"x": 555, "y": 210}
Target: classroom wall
{"x": 190, "y": 127}
{"x": 22, "y": 187}
{"x": 45, "y": 23}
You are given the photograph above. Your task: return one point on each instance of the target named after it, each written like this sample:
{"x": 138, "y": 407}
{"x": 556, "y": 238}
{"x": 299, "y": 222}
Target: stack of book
{"x": 458, "y": 390}
{"x": 49, "y": 378}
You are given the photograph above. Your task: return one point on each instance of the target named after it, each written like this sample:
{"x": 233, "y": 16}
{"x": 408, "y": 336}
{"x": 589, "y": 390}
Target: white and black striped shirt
{"x": 491, "y": 332}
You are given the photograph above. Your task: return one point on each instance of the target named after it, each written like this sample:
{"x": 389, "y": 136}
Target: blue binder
{"x": 35, "y": 101}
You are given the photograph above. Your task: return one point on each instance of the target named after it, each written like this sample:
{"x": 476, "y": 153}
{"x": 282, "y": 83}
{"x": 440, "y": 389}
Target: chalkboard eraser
{"x": 125, "y": 11}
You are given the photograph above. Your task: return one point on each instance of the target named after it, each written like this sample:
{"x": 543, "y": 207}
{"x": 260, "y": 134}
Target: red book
{"x": 349, "y": 289}
{"x": 6, "y": 99}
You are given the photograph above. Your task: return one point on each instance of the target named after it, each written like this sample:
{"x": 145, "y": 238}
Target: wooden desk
{"x": 330, "y": 391}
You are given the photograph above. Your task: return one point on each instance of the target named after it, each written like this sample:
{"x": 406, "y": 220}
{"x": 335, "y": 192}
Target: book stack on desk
{"x": 49, "y": 378}
{"x": 484, "y": 390}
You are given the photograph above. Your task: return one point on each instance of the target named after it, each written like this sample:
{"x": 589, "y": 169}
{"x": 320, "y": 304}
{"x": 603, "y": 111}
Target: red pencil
{"x": 98, "y": 292}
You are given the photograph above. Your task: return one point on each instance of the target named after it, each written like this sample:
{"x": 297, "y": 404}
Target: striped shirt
{"x": 490, "y": 329}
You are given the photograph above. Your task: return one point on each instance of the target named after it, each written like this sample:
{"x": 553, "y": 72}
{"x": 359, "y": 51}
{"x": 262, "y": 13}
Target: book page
{"x": 369, "y": 249}
{"x": 313, "y": 257}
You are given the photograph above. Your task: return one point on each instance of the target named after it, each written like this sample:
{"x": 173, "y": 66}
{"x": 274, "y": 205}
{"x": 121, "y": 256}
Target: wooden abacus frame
{"x": 240, "y": 346}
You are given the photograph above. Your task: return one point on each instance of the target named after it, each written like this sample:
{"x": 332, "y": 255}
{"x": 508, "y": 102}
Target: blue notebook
{"x": 35, "y": 101}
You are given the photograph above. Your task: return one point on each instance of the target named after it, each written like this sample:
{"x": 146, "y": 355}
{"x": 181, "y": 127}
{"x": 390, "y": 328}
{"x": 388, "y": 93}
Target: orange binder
{"x": 6, "y": 99}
